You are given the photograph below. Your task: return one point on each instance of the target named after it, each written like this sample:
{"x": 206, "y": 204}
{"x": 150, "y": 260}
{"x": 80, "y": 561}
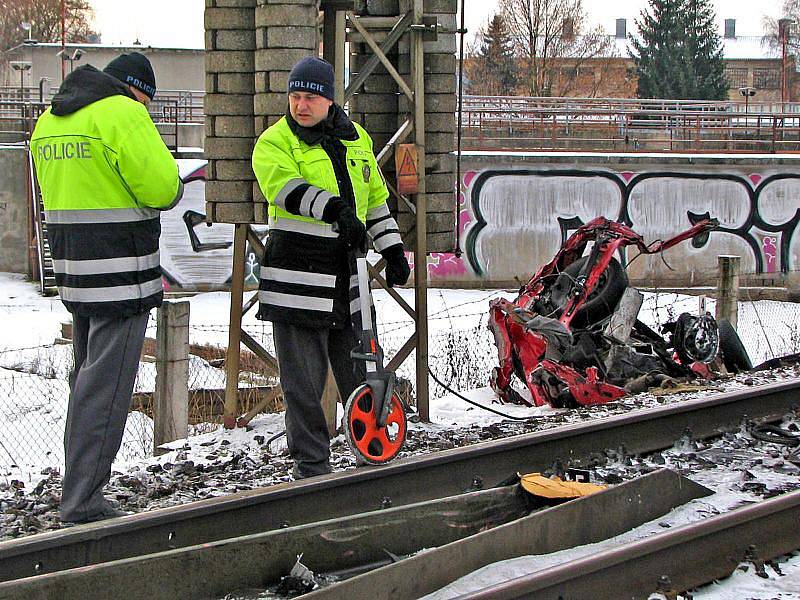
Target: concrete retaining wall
{"x": 13, "y": 209}
{"x": 516, "y": 210}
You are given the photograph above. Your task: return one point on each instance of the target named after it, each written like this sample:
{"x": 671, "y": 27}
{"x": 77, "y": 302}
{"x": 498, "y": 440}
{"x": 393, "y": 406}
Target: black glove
{"x": 397, "y": 269}
{"x": 351, "y": 230}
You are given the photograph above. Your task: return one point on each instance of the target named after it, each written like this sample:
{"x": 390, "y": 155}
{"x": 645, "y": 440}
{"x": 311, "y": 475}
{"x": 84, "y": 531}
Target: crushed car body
{"x": 572, "y": 335}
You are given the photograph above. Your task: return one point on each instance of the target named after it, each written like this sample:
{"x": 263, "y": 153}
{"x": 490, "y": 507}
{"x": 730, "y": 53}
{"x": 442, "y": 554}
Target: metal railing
{"x": 535, "y": 124}
{"x": 553, "y": 124}
{"x": 17, "y": 120}
{"x": 524, "y": 103}
{"x": 182, "y": 106}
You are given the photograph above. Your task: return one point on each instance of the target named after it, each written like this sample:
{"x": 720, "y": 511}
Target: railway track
{"x": 358, "y": 553}
{"x": 406, "y": 482}
{"x": 669, "y": 563}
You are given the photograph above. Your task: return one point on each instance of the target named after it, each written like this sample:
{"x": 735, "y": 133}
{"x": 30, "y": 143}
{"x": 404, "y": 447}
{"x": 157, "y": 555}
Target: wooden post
{"x": 728, "y": 289}
{"x": 235, "y": 329}
{"x": 171, "y": 398}
{"x": 330, "y": 398}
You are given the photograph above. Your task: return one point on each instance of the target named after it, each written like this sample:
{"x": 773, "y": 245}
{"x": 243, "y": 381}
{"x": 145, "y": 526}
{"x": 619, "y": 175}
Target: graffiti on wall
{"x": 511, "y": 221}
{"x": 518, "y": 218}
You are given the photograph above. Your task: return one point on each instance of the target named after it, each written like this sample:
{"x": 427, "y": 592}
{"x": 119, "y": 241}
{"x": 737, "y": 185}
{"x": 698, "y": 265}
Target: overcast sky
{"x": 179, "y": 23}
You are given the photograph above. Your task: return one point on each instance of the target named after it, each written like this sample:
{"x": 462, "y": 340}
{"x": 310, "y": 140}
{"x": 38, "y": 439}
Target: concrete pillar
{"x": 286, "y": 31}
{"x": 230, "y": 62}
{"x": 171, "y": 398}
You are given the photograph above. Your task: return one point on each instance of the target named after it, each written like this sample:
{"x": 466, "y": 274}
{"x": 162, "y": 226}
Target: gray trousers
{"x": 303, "y": 354}
{"x": 106, "y": 352}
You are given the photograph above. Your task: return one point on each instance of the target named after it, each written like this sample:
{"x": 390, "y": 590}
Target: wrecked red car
{"x": 572, "y": 337}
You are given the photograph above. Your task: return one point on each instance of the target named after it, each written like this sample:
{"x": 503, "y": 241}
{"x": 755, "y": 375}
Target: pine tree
{"x": 678, "y": 53}
{"x": 705, "y": 48}
{"x": 495, "y": 70}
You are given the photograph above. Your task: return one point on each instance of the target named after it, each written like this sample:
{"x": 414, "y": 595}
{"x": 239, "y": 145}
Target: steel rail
{"x": 670, "y": 562}
{"x": 458, "y": 534}
{"x": 399, "y": 483}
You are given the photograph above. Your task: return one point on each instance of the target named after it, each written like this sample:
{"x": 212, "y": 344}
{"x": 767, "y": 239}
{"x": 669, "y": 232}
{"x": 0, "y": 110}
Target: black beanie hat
{"x": 314, "y": 75}
{"x": 134, "y": 69}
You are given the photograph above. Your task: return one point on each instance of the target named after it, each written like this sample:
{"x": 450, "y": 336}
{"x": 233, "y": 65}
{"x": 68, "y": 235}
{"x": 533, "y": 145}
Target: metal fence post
{"x": 728, "y": 289}
{"x": 171, "y": 398}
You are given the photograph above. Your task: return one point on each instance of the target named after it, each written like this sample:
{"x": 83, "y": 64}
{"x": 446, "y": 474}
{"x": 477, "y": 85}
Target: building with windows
{"x": 750, "y": 61}
{"x": 175, "y": 68}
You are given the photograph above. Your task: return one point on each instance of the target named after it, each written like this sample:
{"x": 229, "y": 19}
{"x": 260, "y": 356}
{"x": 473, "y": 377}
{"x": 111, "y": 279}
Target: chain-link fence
{"x": 34, "y": 388}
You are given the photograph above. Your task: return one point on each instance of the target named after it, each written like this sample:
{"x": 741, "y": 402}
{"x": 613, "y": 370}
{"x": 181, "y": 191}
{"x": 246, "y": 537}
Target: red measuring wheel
{"x": 372, "y": 444}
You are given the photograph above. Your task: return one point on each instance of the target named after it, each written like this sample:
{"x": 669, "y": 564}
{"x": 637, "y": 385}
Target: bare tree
{"x": 554, "y": 42}
{"x": 44, "y": 17}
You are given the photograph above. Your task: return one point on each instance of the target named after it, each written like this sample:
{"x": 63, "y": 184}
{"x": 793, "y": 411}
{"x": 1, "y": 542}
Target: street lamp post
{"x": 21, "y": 66}
{"x": 75, "y": 55}
{"x": 747, "y": 92}
{"x": 784, "y": 28}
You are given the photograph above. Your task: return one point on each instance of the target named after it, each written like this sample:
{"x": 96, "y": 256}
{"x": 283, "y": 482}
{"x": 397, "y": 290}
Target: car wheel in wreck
{"x": 696, "y": 338}
{"x": 734, "y": 355}
{"x": 601, "y": 302}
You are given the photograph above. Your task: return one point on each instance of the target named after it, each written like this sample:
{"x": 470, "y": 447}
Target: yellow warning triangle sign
{"x": 408, "y": 167}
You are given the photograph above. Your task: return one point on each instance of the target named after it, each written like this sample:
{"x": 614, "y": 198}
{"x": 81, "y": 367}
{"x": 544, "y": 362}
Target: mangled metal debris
{"x": 572, "y": 335}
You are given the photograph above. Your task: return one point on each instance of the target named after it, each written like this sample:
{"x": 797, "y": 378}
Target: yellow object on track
{"x": 545, "y": 487}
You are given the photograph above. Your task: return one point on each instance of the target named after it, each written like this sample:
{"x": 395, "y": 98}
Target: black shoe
{"x": 310, "y": 470}
{"x": 108, "y": 512}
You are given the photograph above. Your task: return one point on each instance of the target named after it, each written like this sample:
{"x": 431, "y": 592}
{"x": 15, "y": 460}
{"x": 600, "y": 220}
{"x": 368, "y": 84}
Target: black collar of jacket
{"x": 84, "y": 86}
{"x": 337, "y": 125}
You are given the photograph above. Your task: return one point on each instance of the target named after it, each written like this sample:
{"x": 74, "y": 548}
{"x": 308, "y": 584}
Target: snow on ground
{"x": 33, "y": 371}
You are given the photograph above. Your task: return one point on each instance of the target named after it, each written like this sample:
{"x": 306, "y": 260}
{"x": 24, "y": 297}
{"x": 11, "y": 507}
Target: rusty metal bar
{"x": 583, "y": 521}
{"x": 671, "y": 562}
{"x": 256, "y": 561}
{"x": 421, "y": 246}
{"x": 235, "y": 326}
{"x": 394, "y": 36}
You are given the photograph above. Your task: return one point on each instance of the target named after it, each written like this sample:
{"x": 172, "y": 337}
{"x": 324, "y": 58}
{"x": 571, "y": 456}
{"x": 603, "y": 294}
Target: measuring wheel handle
{"x": 371, "y": 443}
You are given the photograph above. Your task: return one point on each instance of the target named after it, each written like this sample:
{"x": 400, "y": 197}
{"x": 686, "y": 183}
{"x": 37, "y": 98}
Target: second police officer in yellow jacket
{"x": 317, "y": 170}
{"x": 105, "y": 175}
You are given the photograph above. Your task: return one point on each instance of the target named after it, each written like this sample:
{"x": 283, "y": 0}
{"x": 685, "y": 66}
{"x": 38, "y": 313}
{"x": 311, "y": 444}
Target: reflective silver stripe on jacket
{"x": 318, "y": 229}
{"x": 291, "y": 185}
{"x": 299, "y": 277}
{"x": 299, "y": 302}
{"x": 314, "y": 202}
{"x": 110, "y": 294}
{"x": 382, "y": 226}
{"x": 101, "y": 266}
{"x": 100, "y": 215}
{"x": 383, "y": 242}
{"x": 355, "y": 305}
{"x": 378, "y": 212}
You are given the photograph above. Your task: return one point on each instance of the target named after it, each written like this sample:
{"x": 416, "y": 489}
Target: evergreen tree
{"x": 678, "y": 53}
{"x": 495, "y": 71}
{"x": 705, "y": 48}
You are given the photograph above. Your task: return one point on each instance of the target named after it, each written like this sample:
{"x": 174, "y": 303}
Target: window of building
{"x": 730, "y": 28}
{"x": 622, "y": 28}
{"x": 766, "y": 79}
{"x": 736, "y": 76}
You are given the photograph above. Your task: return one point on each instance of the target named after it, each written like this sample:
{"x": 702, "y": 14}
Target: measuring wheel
{"x": 370, "y": 443}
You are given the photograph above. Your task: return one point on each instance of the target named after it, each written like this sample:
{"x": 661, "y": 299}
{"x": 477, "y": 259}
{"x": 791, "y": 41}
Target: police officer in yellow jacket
{"x": 105, "y": 175}
{"x": 318, "y": 172}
